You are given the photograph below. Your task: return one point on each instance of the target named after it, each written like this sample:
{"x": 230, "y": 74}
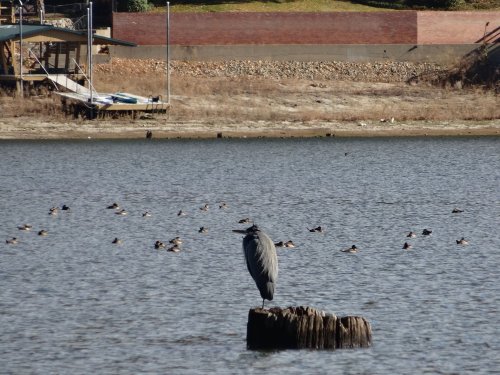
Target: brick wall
{"x": 401, "y": 27}
{"x": 455, "y": 27}
{"x": 267, "y": 28}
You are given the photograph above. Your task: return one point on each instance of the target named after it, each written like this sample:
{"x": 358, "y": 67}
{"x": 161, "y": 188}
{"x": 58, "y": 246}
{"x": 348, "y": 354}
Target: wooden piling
{"x": 305, "y": 327}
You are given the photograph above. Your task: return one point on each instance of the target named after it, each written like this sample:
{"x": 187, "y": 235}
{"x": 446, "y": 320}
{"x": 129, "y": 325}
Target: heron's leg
{"x": 263, "y": 302}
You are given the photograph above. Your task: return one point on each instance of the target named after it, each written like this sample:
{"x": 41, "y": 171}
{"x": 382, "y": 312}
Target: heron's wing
{"x": 262, "y": 262}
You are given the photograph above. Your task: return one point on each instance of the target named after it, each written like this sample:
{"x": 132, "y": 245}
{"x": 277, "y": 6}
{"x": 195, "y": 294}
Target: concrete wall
{"x": 402, "y": 27}
{"x": 443, "y": 54}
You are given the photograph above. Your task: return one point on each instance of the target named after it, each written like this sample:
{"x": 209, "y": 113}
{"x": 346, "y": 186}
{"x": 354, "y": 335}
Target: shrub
{"x": 137, "y": 6}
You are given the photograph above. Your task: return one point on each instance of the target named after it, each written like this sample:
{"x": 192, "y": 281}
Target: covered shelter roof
{"x": 49, "y": 33}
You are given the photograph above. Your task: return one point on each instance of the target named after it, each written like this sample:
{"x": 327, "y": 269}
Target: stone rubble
{"x": 388, "y": 71}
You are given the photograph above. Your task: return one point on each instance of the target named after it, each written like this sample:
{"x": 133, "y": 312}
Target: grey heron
{"x": 261, "y": 259}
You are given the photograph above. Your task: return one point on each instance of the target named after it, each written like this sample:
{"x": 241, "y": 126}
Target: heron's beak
{"x": 242, "y": 231}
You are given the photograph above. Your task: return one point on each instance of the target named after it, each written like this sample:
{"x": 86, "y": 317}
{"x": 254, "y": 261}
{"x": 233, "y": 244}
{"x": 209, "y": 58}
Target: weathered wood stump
{"x": 305, "y": 327}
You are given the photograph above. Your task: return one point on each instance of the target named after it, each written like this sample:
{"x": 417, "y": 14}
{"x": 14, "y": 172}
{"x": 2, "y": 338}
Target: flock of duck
{"x": 174, "y": 244}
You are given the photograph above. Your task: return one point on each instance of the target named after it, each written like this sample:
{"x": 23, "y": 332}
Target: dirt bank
{"x": 238, "y": 98}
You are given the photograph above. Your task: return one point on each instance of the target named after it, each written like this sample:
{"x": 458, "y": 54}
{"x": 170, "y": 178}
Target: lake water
{"x": 73, "y": 302}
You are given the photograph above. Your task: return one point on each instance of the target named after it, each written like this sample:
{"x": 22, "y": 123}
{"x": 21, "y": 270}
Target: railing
{"x": 45, "y": 70}
{"x": 92, "y": 88}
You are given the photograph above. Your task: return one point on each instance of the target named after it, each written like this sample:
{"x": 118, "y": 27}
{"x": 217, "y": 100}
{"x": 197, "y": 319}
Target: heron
{"x": 262, "y": 262}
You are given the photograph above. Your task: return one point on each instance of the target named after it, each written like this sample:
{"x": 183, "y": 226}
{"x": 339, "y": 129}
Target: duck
{"x": 407, "y": 246}
{"x": 456, "y": 210}
{"x": 279, "y": 244}
{"x": 245, "y": 221}
{"x": 43, "y": 232}
{"x": 121, "y": 212}
{"x": 25, "y": 227}
{"x": 411, "y": 235}
{"x": 462, "y": 241}
{"x": 146, "y": 214}
{"x": 203, "y": 230}
{"x": 174, "y": 249}
{"x": 117, "y": 241}
{"x": 317, "y": 229}
{"x": 159, "y": 245}
{"x": 205, "y": 207}
{"x": 223, "y": 206}
{"x": 353, "y": 249}
{"x": 11, "y": 241}
{"x": 65, "y": 208}
{"x": 427, "y": 232}
{"x": 53, "y": 211}
{"x": 175, "y": 241}
{"x": 181, "y": 213}
{"x": 114, "y": 206}
{"x": 289, "y": 244}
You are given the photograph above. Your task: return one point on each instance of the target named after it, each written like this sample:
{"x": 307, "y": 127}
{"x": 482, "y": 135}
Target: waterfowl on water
{"x": 289, "y": 243}
{"x": 411, "y": 235}
{"x": 121, "y": 212}
{"x": 353, "y": 249}
{"x": 462, "y": 241}
{"x": 117, "y": 241}
{"x": 203, "y": 230}
{"x": 114, "y": 206}
{"x": 43, "y": 232}
{"x": 53, "y": 211}
{"x": 205, "y": 207}
{"x": 279, "y": 244}
{"x": 317, "y": 229}
{"x": 427, "y": 232}
{"x": 25, "y": 227}
{"x": 175, "y": 241}
{"x": 457, "y": 210}
{"x": 223, "y": 206}
{"x": 159, "y": 245}
{"x": 181, "y": 213}
{"x": 146, "y": 214}
{"x": 245, "y": 221}
{"x": 11, "y": 241}
{"x": 65, "y": 208}
{"x": 407, "y": 246}
{"x": 174, "y": 249}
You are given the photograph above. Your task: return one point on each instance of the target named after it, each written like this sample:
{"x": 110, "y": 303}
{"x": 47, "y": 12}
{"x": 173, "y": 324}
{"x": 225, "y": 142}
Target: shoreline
{"x": 23, "y": 128}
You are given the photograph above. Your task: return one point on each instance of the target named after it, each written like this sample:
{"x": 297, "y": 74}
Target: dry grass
{"x": 220, "y": 99}
{"x": 48, "y": 107}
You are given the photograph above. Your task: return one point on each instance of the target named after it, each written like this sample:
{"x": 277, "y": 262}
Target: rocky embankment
{"x": 388, "y": 71}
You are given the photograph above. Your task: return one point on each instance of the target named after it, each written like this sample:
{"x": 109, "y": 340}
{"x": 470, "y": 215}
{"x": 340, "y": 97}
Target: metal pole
{"x": 88, "y": 41}
{"x": 91, "y": 43}
{"x": 21, "y": 45}
{"x": 168, "y": 52}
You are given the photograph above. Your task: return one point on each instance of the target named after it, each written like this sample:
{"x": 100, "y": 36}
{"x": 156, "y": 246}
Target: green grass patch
{"x": 205, "y": 6}
{"x": 269, "y": 6}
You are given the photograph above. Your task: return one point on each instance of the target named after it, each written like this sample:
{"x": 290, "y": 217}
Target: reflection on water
{"x": 73, "y": 301}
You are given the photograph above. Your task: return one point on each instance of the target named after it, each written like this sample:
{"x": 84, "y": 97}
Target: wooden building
{"x": 46, "y": 50}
